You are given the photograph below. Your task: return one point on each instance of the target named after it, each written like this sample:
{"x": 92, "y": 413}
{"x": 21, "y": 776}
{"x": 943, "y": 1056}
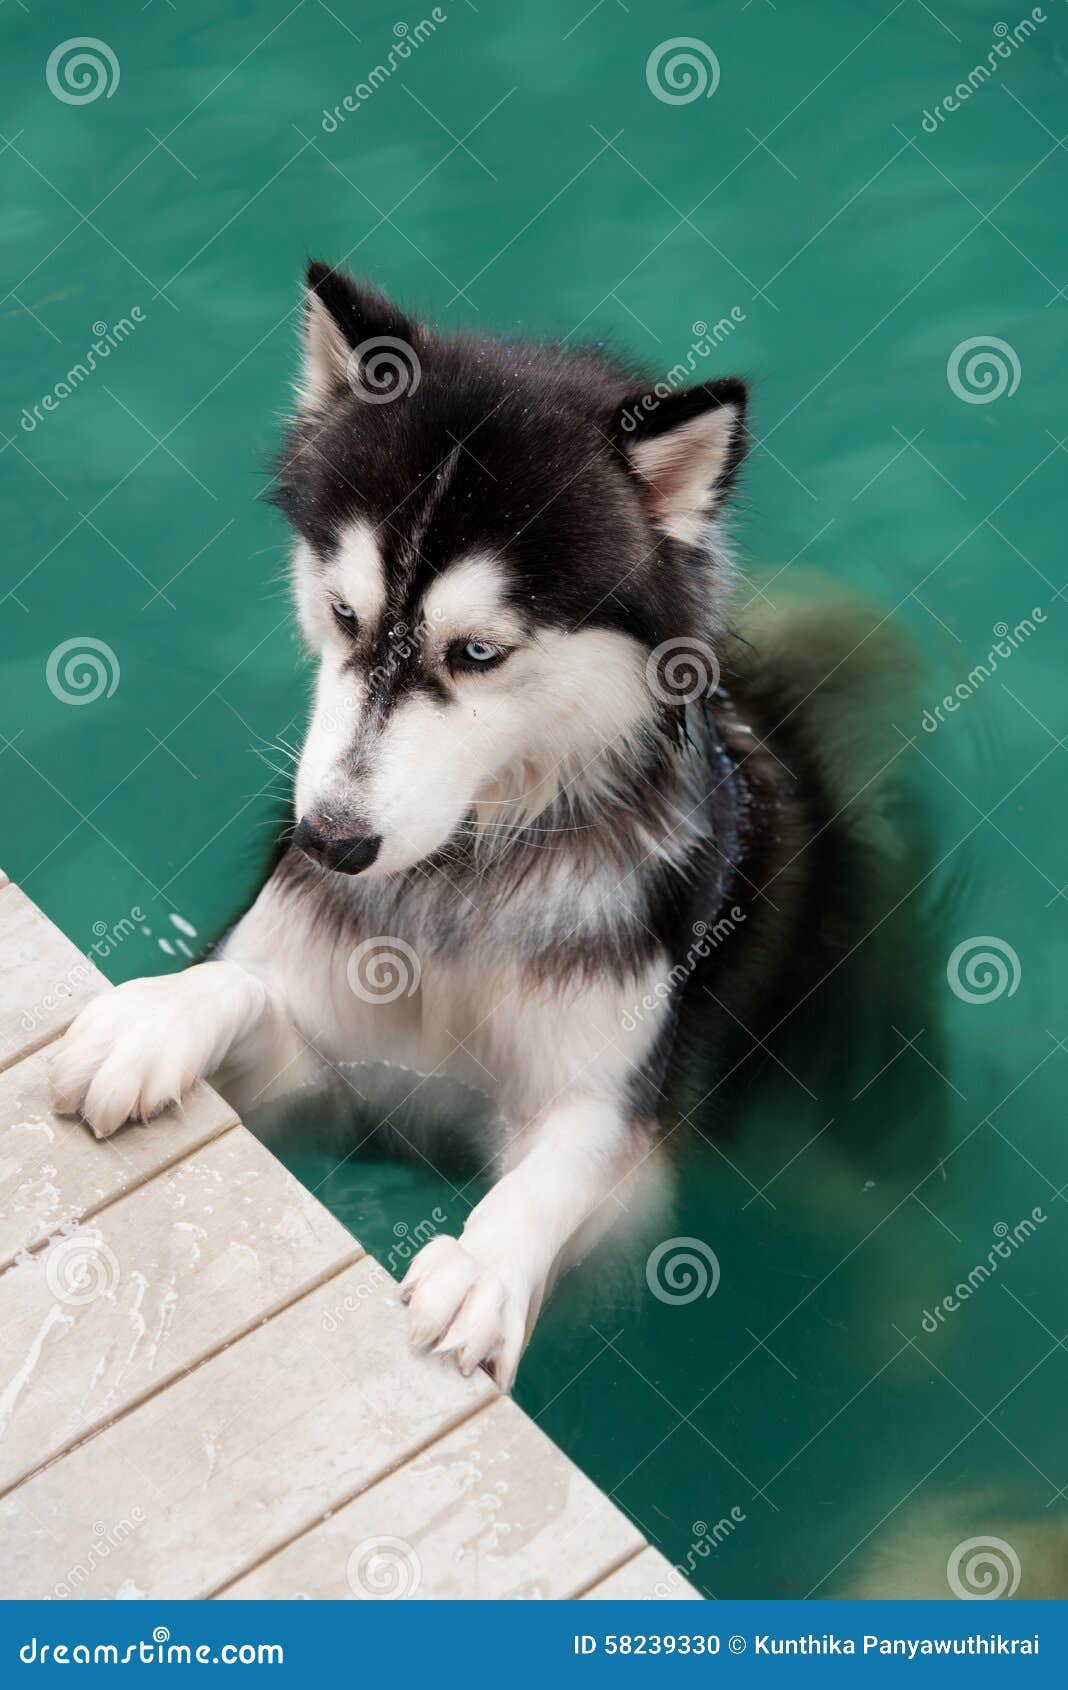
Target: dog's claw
{"x": 134, "y": 1051}
{"x": 124, "y": 1059}
{"x": 461, "y": 1307}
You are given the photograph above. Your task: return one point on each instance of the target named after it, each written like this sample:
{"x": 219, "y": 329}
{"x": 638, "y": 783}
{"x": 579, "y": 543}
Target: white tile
{"x": 260, "y": 1442}
{"x": 208, "y": 1399}
{"x": 158, "y": 1280}
{"x": 53, "y": 1171}
{"x": 44, "y": 979}
{"x": 494, "y": 1510}
{"x": 649, "y": 1577}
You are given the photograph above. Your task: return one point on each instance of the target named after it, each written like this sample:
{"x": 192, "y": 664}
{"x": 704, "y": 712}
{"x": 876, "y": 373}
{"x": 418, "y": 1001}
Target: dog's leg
{"x": 479, "y": 1295}
{"x": 134, "y": 1050}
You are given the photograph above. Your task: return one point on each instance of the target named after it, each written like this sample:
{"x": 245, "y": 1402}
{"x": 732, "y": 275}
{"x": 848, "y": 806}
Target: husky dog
{"x": 539, "y": 797}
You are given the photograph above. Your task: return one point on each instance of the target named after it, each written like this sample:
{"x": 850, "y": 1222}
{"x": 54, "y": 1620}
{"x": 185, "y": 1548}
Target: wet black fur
{"x": 506, "y": 445}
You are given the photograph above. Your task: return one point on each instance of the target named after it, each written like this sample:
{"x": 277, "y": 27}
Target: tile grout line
{"x": 51, "y": 1038}
{"x": 219, "y": 1131}
{"x": 617, "y": 1566}
{"x": 462, "y": 1418}
{"x": 261, "y": 1319}
{"x": 24, "y": 1052}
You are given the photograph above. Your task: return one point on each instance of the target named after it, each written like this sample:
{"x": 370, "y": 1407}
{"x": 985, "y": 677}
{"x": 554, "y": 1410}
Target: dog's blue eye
{"x": 345, "y": 615}
{"x": 476, "y": 654}
{"x": 472, "y": 655}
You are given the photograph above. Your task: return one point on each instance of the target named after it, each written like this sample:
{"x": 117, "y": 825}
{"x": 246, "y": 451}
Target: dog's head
{"x": 497, "y": 546}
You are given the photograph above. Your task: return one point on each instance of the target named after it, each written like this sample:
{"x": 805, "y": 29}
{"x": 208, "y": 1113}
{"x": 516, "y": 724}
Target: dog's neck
{"x": 654, "y": 802}
{"x": 604, "y": 877}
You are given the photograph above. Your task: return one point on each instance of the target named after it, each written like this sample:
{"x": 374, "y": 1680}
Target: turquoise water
{"x": 517, "y": 171}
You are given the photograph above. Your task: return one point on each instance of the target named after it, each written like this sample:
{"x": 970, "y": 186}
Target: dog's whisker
{"x": 536, "y": 610}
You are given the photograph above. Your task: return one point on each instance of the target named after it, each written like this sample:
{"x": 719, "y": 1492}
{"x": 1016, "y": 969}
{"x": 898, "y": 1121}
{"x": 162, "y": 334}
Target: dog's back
{"x": 812, "y": 688}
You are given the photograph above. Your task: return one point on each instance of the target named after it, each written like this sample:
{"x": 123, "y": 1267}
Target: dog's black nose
{"x": 345, "y": 856}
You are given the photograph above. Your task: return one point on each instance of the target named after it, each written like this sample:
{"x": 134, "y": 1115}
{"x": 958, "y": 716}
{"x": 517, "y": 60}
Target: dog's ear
{"x": 685, "y": 448}
{"x": 343, "y": 321}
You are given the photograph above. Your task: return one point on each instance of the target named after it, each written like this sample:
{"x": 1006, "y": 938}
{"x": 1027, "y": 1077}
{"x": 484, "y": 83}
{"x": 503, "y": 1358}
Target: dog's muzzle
{"x": 347, "y": 855}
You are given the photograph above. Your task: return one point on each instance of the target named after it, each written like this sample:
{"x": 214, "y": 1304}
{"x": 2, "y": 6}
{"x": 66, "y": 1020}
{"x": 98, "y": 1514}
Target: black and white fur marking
{"x": 499, "y": 566}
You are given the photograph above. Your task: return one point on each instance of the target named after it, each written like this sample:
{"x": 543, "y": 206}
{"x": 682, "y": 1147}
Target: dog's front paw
{"x": 130, "y": 1053}
{"x": 470, "y": 1309}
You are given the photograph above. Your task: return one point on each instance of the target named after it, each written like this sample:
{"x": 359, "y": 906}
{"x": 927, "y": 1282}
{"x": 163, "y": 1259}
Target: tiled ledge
{"x": 206, "y": 1385}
